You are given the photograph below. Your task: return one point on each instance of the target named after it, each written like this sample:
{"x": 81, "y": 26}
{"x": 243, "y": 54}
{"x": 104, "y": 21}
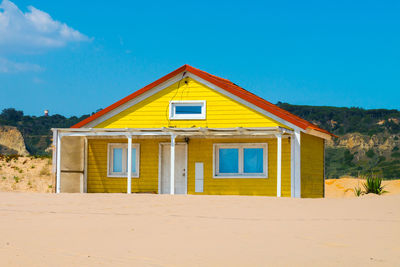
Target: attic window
{"x": 187, "y": 110}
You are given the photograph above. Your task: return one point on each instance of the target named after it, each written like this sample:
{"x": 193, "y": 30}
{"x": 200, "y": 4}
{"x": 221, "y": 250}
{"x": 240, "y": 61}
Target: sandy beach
{"x": 161, "y": 230}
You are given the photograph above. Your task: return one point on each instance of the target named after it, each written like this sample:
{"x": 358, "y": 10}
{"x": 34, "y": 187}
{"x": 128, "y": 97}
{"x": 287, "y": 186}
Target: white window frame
{"x": 240, "y": 147}
{"x": 110, "y": 158}
{"x": 173, "y": 104}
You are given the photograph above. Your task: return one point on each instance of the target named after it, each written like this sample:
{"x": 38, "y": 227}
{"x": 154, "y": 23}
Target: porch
{"x": 175, "y": 160}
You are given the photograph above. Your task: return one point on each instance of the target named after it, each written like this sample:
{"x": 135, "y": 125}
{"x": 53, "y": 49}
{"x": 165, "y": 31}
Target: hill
{"x": 36, "y": 130}
{"x": 369, "y": 139}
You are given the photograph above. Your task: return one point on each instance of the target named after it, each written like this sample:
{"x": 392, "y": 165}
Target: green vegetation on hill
{"x": 36, "y": 130}
{"x": 340, "y": 120}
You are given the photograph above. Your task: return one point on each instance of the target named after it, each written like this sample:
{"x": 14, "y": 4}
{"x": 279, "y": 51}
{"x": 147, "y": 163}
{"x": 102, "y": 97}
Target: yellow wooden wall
{"x": 222, "y": 112}
{"x": 199, "y": 150}
{"x": 97, "y": 180}
{"x": 312, "y": 166}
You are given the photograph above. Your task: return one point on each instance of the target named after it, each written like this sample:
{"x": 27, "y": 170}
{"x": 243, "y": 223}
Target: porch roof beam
{"x": 168, "y": 131}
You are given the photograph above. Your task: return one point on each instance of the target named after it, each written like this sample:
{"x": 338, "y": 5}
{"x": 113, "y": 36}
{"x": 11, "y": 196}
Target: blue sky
{"x": 73, "y": 57}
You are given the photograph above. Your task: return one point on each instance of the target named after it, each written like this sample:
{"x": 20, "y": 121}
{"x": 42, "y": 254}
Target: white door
{"x": 180, "y": 168}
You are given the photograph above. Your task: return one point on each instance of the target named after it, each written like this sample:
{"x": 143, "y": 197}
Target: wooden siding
{"x": 221, "y": 111}
{"x": 199, "y": 150}
{"x": 97, "y": 180}
{"x": 312, "y": 166}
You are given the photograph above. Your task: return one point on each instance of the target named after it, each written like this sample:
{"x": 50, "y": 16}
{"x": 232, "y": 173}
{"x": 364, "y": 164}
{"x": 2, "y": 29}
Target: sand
{"x": 344, "y": 187}
{"x": 26, "y": 174}
{"x": 161, "y": 230}
{"x": 38, "y": 229}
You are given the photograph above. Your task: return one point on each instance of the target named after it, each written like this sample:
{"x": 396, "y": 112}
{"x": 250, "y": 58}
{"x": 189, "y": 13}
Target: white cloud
{"x": 33, "y": 30}
{"x": 37, "y": 80}
{"x": 7, "y": 66}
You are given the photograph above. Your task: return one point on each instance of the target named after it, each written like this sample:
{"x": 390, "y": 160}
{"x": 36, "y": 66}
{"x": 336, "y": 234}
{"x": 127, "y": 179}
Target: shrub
{"x": 374, "y": 185}
{"x": 16, "y": 178}
{"x": 395, "y": 155}
{"x": 370, "y": 153}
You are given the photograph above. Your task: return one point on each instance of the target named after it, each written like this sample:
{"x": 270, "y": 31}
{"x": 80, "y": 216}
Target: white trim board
{"x": 240, "y": 146}
{"x": 174, "y": 103}
{"x": 124, "y": 161}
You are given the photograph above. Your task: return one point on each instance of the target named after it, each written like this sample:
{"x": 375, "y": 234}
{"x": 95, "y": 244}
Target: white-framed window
{"x": 241, "y": 160}
{"x": 187, "y": 110}
{"x": 117, "y": 165}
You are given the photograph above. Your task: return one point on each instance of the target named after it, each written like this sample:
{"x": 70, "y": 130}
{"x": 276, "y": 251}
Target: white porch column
{"x": 279, "y": 166}
{"x": 129, "y": 184}
{"x": 172, "y": 166}
{"x": 297, "y": 162}
{"x": 292, "y": 165}
{"x": 58, "y": 164}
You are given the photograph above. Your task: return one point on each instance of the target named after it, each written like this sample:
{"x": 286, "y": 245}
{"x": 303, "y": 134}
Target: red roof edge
{"x": 222, "y": 83}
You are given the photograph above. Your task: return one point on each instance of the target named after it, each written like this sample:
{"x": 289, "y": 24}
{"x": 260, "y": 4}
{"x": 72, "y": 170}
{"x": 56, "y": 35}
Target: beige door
{"x": 180, "y": 169}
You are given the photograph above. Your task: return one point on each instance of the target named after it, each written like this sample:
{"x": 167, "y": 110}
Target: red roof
{"x": 222, "y": 83}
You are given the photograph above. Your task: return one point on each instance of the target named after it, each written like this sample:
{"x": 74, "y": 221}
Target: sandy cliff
{"x": 11, "y": 141}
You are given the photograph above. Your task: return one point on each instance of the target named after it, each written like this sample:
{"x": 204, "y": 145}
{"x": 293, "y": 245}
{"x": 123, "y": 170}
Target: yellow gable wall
{"x": 222, "y": 112}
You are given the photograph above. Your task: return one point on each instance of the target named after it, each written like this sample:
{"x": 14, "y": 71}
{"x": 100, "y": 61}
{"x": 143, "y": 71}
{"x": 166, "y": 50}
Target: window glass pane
{"x": 117, "y": 159}
{"x": 253, "y": 160}
{"x": 228, "y": 160}
{"x": 133, "y": 160}
{"x": 183, "y": 109}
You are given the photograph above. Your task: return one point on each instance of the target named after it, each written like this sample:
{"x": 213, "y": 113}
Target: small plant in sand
{"x": 33, "y": 166}
{"x": 16, "y": 179}
{"x": 4, "y": 177}
{"x": 373, "y": 185}
{"x": 8, "y": 158}
{"x": 44, "y": 171}
{"x": 50, "y": 186}
{"x": 358, "y": 191}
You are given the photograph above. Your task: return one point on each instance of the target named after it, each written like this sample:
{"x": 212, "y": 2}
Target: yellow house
{"x": 191, "y": 132}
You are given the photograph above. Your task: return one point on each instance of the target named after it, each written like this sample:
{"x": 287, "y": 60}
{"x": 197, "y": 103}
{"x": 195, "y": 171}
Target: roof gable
{"x": 154, "y": 111}
{"x": 224, "y": 84}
